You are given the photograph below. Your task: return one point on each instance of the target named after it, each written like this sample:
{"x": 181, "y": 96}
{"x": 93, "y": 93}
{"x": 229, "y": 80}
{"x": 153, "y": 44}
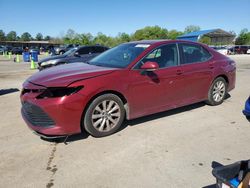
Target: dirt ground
{"x": 170, "y": 149}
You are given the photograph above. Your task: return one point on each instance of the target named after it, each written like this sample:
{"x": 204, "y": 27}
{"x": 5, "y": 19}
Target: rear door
{"x": 196, "y": 66}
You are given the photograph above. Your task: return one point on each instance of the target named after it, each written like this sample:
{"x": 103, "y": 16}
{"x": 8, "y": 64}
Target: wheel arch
{"x": 223, "y": 76}
{"x": 210, "y": 100}
{"x": 120, "y": 95}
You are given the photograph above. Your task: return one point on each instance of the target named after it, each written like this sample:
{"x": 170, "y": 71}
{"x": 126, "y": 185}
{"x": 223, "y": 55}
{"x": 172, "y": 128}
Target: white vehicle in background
{"x": 248, "y": 51}
{"x": 222, "y": 50}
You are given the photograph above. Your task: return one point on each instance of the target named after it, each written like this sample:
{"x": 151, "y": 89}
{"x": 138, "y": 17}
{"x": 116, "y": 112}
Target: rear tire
{"x": 104, "y": 115}
{"x": 217, "y": 92}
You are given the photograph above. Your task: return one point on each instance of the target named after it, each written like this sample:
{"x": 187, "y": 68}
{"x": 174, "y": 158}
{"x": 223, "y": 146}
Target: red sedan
{"x": 128, "y": 81}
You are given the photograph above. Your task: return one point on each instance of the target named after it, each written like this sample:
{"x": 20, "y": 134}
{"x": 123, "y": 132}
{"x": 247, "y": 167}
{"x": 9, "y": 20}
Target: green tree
{"x": 192, "y": 28}
{"x": 205, "y": 40}
{"x": 39, "y": 36}
{"x": 2, "y": 35}
{"x": 243, "y": 38}
{"x": 26, "y": 36}
{"x": 47, "y": 38}
{"x": 104, "y": 40}
{"x": 173, "y": 34}
{"x": 86, "y": 39}
{"x": 71, "y": 37}
{"x": 123, "y": 37}
{"x": 150, "y": 32}
{"x": 11, "y": 36}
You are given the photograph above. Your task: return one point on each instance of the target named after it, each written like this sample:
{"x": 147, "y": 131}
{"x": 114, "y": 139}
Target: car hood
{"x": 52, "y": 58}
{"x": 64, "y": 75}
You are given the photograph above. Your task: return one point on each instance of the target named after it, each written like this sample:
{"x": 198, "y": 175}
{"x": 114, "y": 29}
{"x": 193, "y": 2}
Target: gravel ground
{"x": 169, "y": 149}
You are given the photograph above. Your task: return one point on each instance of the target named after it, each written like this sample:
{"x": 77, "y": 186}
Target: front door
{"x": 158, "y": 90}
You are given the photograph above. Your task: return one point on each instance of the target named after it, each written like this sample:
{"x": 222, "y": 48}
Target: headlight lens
{"x": 59, "y": 92}
{"x": 50, "y": 62}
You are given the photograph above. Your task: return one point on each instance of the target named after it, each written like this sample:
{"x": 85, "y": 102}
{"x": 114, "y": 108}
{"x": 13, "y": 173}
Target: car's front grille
{"x": 36, "y": 116}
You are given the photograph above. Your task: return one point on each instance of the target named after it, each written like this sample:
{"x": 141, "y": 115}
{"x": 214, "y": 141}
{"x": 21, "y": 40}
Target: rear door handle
{"x": 179, "y": 72}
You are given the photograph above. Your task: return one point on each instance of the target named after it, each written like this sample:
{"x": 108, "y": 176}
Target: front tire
{"x": 104, "y": 115}
{"x": 217, "y": 92}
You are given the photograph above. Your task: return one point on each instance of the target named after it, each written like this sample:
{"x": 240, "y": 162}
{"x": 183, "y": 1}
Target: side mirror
{"x": 77, "y": 54}
{"x": 150, "y": 66}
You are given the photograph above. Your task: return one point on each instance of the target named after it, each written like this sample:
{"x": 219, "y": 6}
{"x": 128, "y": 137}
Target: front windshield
{"x": 120, "y": 56}
{"x": 71, "y": 51}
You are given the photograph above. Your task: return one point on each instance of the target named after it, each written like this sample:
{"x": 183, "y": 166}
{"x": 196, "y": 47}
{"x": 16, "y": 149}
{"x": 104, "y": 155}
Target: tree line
{"x": 26, "y": 36}
{"x": 149, "y": 32}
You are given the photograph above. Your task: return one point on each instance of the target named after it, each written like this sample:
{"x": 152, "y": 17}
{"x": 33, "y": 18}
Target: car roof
{"x": 91, "y": 46}
{"x": 163, "y": 41}
{"x": 149, "y": 41}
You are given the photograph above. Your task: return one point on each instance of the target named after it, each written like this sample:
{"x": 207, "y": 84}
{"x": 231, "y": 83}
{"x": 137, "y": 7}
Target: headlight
{"x": 58, "y": 92}
{"x": 50, "y": 62}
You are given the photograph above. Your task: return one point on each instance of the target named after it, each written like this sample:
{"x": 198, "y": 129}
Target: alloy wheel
{"x": 106, "y": 115}
{"x": 219, "y": 91}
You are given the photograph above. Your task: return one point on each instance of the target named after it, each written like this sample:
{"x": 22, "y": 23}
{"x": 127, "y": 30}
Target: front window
{"x": 165, "y": 56}
{"x": 120, "y": 56}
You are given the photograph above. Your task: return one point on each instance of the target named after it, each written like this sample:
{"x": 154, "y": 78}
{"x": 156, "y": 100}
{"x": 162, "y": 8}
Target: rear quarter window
{"x": 192, "y": 53}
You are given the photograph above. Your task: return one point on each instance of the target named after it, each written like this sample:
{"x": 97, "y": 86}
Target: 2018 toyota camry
{"x": 128, "y": 81}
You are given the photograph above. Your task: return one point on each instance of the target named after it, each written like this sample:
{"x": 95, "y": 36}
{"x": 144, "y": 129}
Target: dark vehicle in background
{"x": 238, "y": 50}
{"x": 2, "y": 49}
{"x": 13, "y": 50}
{"x": 16, "y": 50}
{"x": 64, "y": 48}
{"x": 34, "y": 49}
{"x": 246, "y": 111}
{"x": 131, "y": 80}
{"x": 8, "y": 48}
{"x": 78, "y": 54}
